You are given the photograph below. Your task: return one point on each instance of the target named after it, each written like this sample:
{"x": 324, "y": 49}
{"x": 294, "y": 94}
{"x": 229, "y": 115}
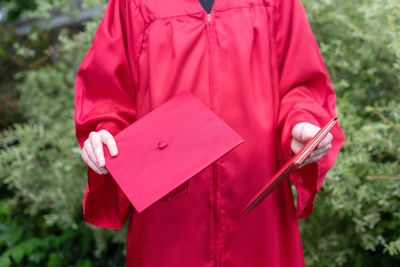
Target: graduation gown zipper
{"x": 215, "y": 203}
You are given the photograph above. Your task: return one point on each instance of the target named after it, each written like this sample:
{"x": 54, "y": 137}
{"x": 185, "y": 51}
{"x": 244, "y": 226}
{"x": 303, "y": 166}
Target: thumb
{"x": 304, "y": 131}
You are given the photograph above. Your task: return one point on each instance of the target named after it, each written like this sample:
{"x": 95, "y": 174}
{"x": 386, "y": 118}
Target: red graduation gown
{"x": 256, "y": 64}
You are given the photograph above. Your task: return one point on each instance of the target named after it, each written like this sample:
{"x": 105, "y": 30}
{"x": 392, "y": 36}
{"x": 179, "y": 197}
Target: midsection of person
{"x": 227, "y": 59}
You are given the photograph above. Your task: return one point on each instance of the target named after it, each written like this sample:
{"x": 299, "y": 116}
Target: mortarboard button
{"x": 162, "y": 144}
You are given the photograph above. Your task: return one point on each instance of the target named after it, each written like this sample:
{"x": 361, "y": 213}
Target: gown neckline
{"x": 207, "y": 5}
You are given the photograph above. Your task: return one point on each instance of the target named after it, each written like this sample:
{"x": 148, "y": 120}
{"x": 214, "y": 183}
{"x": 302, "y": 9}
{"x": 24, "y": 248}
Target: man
{"x": 256, "y": 64}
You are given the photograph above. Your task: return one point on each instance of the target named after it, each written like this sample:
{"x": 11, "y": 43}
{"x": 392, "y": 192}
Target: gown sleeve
{"x": 105, "y": 98}
{"x": 306, "y": 95}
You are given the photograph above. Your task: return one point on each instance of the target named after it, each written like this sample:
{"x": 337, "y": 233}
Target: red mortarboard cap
{"x": 166, "y": 147}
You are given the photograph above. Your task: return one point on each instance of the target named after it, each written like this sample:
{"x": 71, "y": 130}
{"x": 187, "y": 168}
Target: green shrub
{"x": 17, "y": 7}
{"x": 356, "y": 219}
{"x": 42, "y": 176}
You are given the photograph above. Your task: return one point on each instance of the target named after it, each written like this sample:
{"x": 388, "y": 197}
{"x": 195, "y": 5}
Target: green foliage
{"x": 43, "y": 8}
{"x": 19, "y": 53}
{"x": 42, "y": 176}
{"x": 22, "y": 53}
{"x": 17, "y": 7}
{"x": 356, "y": 219}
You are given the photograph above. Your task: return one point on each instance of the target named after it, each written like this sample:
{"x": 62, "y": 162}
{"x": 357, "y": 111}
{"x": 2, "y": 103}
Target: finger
{"x": 109, "y": 140}
{"x": 90, "y": 163}
{"x": 302, "y": 164}
{"x": 316, "y": 157}
{"x": 327, "y": 140}
{"x": 94, "y": 166}
{"x": 311, "y": 159}
{"x": 305, "y": 162}
{"x": 104, "y": 170}
{"x": 307, "y": 131}
{"x": 97, "y": 146}
{"x": 296, "y": 145}
{"x": 89, "y": 151}
{"x": 322, "y": 150}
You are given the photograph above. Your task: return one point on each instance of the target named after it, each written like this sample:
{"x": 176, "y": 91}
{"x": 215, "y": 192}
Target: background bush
{"x": 42, "y": 178}
{"x": 356, "y": 216}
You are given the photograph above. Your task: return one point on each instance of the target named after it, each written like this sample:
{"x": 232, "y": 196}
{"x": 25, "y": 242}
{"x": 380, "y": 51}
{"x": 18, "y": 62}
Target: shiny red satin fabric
{"x": 257, "y": 65}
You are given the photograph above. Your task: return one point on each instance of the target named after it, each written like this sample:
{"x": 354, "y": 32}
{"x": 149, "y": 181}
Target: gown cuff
{"x": 104, "y": 203}
{"x": 306, "y": 178}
